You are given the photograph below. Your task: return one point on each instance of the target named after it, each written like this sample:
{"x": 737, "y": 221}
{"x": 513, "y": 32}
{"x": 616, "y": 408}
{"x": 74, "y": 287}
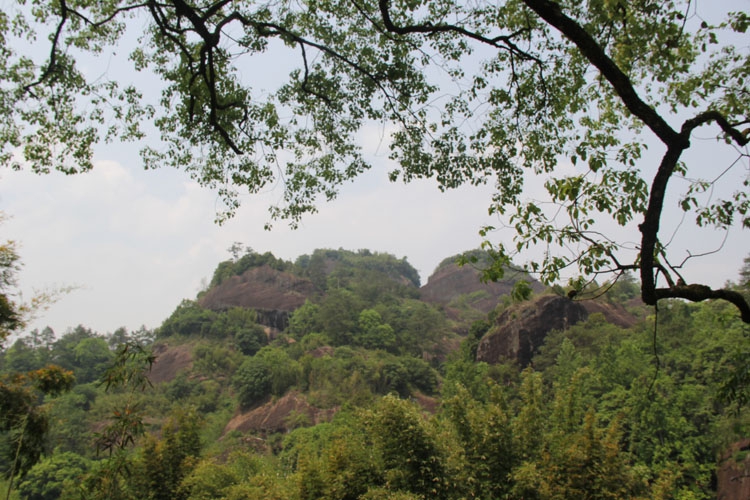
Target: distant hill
{"x": 519, "y": 332}
{"x": 319, "y": 371}
{"x": 275, "y": 288}
{"x": 450, "y": 281}
{"x": 263, "y": 288}
{"x": 327, "y": 267}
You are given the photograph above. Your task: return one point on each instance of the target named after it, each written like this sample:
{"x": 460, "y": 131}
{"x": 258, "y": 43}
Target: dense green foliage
{"x": 23, "y": 421}
{"x": 336, "y": 268}
{"x": 53, "y": 476}
{"x": 605, "y": 412}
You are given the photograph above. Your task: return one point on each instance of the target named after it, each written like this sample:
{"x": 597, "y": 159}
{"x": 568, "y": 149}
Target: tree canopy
{"x": 466, "y": 92}
{"x": 345, "y": 411}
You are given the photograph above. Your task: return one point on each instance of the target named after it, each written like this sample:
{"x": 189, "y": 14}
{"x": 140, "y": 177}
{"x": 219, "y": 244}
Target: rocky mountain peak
{"x": 450, "y": 281}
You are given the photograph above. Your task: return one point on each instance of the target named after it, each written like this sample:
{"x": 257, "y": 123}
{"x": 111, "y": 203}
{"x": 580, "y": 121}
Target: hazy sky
{"x": 136, "y": 243}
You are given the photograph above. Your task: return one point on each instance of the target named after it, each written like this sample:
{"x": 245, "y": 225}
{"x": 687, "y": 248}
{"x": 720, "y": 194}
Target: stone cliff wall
{"x": 520, "y": 331}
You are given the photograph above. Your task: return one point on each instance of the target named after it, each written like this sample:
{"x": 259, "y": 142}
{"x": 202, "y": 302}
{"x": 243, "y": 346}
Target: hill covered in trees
{"x": 337, "y": 376}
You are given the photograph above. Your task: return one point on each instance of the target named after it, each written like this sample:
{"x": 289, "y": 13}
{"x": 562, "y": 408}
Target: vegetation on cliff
{"x": 368, "y": 394}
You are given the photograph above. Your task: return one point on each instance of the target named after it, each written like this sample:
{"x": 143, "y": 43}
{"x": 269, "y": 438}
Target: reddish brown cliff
{"x": 260, "y": 288}
{"x": 450, "y": 281}
{"x": 615, "y": 314}
{"x": 273, "y": 294}
{"x": 280, "y": 415}
{"x": 169, "y": 362}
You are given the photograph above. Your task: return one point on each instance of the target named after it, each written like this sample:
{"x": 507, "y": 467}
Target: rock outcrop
{"x": 519, "y": 331}
{"x": 451, "y": 281}
{"x": 169, "y": 362}
{"x": 281, "y": 415}
{"x": 615, "y": 314}
{"x": 273, "y": 294}
{"x": 733, "y": 476}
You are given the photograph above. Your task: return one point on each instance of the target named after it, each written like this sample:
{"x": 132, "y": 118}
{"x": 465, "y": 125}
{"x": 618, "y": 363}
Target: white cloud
{"x": 138, "y": 242}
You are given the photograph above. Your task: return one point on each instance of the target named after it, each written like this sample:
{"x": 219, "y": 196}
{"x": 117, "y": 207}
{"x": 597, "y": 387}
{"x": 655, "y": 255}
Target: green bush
{"x": 188, "y": 319}
{"x": 215, "y": 359}
{"x": 253, "y": 381}
{"x": 251, "y": 339}
{"x": 53, "y": 474}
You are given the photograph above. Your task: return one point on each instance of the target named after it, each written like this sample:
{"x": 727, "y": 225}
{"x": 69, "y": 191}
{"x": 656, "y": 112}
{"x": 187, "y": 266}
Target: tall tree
{"x": 10, "y": 315}
{"x": 23, "y": 420}
{"x": 412, "y": 458}
{"x": 168, "y": 459}
{"x": 551, "y": 84}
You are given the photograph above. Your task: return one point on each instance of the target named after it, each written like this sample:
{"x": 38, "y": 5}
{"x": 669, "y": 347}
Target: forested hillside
{"x": 337, "y": 377}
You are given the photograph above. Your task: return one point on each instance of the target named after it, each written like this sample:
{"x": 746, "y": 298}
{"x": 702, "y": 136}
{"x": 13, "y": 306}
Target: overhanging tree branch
{"x": 216, "y": 117}
{"x": 504, "y": 42}
{"x": 676, "y": 144}
{"x": 52, "y": 63}
{"x": 699, "y": 293}
{"x": 595, "y": 54}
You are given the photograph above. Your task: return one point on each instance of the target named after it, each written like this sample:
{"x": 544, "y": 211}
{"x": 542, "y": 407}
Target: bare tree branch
{"x": 699, "y": 293}
{"x": 504, "y": 42}
{"x": 594, "y": 53}
{"x": 676, "y": 144}
{"x": 52, "y": 64}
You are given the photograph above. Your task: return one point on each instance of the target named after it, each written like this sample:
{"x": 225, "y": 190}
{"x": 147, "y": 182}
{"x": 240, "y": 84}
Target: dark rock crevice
{"x": 520, "y": 331}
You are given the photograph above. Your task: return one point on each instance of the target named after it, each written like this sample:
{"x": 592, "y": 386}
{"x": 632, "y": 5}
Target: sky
{"x": 135, "y": 243}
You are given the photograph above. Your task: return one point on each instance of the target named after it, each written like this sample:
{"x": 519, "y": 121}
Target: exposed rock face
{"x": 260, "y": 288}
{"x": 520, "y": 331}
{"x": 451, "y": 281}
{"x": 275, "y": 319}
{"x": 169, "y": 362}
{"x": 733, "y": 476}
{"x": 273, "y": 294}
{"x": 280, "y": 416}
